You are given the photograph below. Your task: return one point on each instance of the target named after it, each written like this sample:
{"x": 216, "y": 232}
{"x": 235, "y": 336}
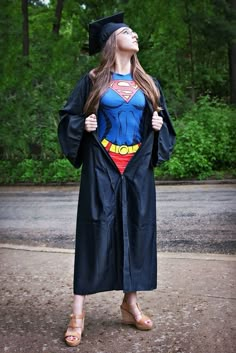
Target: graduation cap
{"x": 100, "y": 31}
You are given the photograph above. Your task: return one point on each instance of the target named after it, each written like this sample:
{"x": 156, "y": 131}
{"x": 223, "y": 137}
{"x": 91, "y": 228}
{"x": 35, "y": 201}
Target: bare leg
{"x": 78, "y": 304}
{"x": 77, "y": 309}
{"x": 131, "y": 297}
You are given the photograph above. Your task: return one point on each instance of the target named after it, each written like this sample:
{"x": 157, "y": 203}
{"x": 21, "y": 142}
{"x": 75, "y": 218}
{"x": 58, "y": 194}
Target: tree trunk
{"x": 232, "y": 64}
{"x": 25, "y": 27}
{"x": 58, "y": 14}
{"x": 190, "y": 40}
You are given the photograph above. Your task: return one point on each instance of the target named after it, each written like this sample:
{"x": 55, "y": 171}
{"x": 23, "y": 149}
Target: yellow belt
{"x": 123, "y": 149}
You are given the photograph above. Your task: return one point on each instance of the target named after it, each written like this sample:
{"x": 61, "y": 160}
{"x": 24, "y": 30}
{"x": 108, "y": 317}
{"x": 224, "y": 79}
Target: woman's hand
{"x": 157, "y": 121}
{"x": 91, "y": 123}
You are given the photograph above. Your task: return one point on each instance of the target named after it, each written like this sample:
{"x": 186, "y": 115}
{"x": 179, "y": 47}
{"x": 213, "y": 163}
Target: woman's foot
{"x": 75, "y": 329}
{"x": 132, "y": 315}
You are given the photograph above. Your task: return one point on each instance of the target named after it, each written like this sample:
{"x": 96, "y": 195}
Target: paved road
{"x": 190, "y": 218}
{"x": 193, "y": 308}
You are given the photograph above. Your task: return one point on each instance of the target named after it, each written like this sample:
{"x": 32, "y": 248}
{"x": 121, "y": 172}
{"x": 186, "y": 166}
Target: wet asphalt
{"x": 190, "y": 218}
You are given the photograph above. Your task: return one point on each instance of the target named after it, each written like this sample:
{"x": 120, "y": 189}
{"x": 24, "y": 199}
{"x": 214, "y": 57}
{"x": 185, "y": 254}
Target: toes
{"x": 71, "y": 338}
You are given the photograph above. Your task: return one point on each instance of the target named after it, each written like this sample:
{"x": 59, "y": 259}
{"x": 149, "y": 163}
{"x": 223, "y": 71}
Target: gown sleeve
{"x": 164, "y": 139}
{"x": 71, "y": 126}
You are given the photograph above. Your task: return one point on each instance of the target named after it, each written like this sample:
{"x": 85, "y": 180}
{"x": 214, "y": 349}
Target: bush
{"x": 35, "y": 171}
{"x": 205, "y": 142}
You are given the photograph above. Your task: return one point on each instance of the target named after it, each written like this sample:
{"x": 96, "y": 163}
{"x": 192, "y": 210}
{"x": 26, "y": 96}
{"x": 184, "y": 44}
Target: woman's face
{"x": 126, "y": 40}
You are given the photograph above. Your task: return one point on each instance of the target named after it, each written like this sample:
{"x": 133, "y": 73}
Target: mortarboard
{"x": 100, "y": 31}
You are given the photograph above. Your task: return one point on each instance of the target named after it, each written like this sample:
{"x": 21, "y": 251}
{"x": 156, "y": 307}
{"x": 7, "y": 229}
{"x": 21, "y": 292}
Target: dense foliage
{"x": 187, "y": 46}
{"x": 206, "y": 142}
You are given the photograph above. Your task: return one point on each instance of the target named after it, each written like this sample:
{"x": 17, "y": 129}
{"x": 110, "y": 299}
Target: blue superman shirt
{"x": 120, "y": 112}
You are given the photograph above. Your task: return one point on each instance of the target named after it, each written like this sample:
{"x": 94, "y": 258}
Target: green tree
{"x": 188, "y": 45}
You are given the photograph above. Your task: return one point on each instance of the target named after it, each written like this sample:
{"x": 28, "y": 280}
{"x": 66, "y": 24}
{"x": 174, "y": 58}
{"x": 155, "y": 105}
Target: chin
{"x": 136, "y": 50}
{"x": 132, "y": 50}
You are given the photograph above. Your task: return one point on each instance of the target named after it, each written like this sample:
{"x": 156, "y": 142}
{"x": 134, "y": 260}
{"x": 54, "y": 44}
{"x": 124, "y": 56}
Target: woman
{"x": 116, "y": 125}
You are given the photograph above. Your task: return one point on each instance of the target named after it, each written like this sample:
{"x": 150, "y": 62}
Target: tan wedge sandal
{"x": 71, "y": 330}
{"x": 129, "y": 319}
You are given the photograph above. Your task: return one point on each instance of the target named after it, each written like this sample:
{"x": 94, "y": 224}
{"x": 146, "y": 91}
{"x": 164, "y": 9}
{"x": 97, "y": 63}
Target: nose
{"x": 134, "y": 35}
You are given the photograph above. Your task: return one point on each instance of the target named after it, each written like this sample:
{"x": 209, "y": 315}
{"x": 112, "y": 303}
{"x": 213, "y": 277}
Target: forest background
{"x": 189, "y": 45}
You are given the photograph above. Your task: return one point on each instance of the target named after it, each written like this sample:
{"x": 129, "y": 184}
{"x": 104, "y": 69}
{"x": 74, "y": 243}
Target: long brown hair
{"x": 101, "y": 76}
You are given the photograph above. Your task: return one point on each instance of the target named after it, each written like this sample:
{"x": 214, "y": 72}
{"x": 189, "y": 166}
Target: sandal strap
{"x": 73, "y": 334}
{"x": 73, "y": 324}
{"x": 128, "y": 307}
{"x": 143, "y": 319}
{"x": 125, "y": 306}
{"x": 80, "y": 316}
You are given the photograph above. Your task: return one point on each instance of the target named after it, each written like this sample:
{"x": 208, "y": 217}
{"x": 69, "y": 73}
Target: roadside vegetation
{"x": 45, "y": 51}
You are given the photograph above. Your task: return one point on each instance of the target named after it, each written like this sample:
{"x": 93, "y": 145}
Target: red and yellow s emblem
{"x": 125, "y": 89}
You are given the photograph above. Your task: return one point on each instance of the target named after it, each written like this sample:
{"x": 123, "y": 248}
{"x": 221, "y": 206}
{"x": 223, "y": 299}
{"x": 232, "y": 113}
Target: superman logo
{"x": 125, "y": 89}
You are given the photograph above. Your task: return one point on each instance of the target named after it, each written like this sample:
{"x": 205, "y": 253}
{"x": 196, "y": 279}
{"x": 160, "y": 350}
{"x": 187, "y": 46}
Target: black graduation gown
{"x": 116, "y": 221}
